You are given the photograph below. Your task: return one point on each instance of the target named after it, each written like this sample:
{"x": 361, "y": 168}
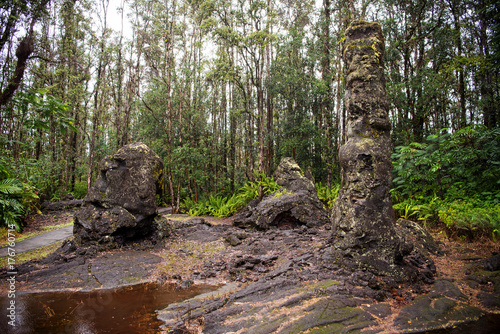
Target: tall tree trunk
{"x": 250, "y": 130}
{"x": 455, "y": 9}
{"x": 269, "y": 101}
{"x": 326, "y": 103}
{"x": 490, "y": 111}
{"x": 98, "y": 99}
{"x": 260, "y": 130}
{"x": 24, "y": 50}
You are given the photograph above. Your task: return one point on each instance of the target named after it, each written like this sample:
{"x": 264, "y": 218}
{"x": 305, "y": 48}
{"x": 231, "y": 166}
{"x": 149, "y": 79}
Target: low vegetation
{"x": 35, "y": 254}
{"x": 452, "y": 180}
{"x": 225, "y": 206}
{"x": 17, "y": 199}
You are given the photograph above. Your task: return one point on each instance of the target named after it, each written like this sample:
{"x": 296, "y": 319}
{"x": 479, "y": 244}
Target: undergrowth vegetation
{"x": 452, "y": 179}
{"x": 225, "y": 206}
{"x": 17, "y": 199}
{"x": 24, "y": 184}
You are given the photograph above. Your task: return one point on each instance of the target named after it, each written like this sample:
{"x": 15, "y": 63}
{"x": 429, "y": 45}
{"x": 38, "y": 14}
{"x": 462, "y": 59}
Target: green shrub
{"x": 451, "y": 178}
{"x": 225, "y": 206}
{"x": 453, "y": 166}
{"x": 80, "y": 190}
{"x": 471, "y": 218}
{"x": 418, "y": 208}
{"x": 328, "y": 195}
{"x": 17, "y": 200}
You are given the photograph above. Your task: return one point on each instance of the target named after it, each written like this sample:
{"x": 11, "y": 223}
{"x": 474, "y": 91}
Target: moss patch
{"x": 22, "y": 236}
{"x": 36, "y": 254}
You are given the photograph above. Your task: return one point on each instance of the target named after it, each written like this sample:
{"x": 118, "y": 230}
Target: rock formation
{"x": 296, "y": 203}
{"x": 121, "y": 206}
{"x": 67, "y": 202}
{"x": 363, "y": 218}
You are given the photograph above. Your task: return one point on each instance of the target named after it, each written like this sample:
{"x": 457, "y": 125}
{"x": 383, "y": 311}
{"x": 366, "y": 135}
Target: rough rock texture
{"x": 67, "y": 202}
{"x": 294, "y": 286}
{"x": 282, "y": 281}
{"x": 444, "y": 307}
{"x": 363, "y": 218}
{"x": 296, "y": 203}
{"x": 121, "y": 206}
{"x": 65, "y": 270}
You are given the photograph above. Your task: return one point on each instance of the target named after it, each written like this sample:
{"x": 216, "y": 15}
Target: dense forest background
{"x": 222, "y": 90}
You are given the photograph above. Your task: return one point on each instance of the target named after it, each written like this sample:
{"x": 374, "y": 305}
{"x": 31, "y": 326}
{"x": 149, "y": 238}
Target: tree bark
{"x": 24, "y": 50}
{"x": 326, "y": 103}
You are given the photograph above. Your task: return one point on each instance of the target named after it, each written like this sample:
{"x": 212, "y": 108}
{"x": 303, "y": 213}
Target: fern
{"x": 16, "y": 199}
{"x": 328, "y": 195}
{"x": 11, "y": 186}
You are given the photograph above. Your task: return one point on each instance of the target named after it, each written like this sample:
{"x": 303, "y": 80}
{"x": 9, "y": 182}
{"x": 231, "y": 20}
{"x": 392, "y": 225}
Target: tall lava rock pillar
{"x": 363, "y": 218}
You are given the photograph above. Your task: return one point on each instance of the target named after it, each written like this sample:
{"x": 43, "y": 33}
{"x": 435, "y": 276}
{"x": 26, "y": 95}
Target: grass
{"x": 35, "y": 254}
{"x": 4, "y": 233}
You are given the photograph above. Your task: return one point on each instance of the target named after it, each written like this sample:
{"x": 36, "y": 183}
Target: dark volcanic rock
{"x": 364, "y": 233}
{"x": 296, "y": 203}
{"x": 67, "y": 202}
{"x": 443, "y": 307}
{"x": 492, "y": 263}
{"x": 121, "y": 206}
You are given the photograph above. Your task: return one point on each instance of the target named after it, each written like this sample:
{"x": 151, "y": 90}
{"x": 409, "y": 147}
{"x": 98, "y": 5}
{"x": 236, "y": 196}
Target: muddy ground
{"x": 284, "y": 281}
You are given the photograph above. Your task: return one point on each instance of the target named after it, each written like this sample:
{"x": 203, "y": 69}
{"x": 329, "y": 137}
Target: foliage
{"x": 43, "y": 111}
{"x": 328, "y": 195}
{"x": 220, "y": 206}
{"x": 451, "y": 165}
{"x": 451, "y": 178}
{"x": 17, "y": 199}
{"x": 471, "y": 217}
{"x": 80, "y": 190}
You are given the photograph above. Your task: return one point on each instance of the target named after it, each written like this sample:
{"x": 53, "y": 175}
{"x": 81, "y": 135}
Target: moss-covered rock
{"x": 363, "y": 218}
{"x": 296, "y": 203}
{"x": 444, "y": 307}
{"x": 121, "y": 205}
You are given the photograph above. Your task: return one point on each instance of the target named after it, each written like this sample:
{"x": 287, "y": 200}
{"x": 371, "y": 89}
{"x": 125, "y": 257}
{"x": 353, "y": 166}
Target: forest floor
{"x": 281, "y": 277}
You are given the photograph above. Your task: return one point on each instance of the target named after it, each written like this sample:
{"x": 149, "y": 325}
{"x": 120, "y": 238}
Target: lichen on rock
{"x": 295, "y": 204}
{"x": 364, "y": 233}
{"x": 121, "y": 205}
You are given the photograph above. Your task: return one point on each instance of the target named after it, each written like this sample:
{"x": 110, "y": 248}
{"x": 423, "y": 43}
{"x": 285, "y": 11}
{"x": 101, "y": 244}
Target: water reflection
{"x": 125, "y": 310}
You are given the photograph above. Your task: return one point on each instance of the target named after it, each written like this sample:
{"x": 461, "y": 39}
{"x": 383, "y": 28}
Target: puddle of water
{"x": 124, "y": 310}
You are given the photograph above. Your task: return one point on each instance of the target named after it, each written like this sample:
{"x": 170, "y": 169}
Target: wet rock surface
{"x": 282, "y": 281}
{"x": 65, "y": 270}
{"x": 295, "y": 204}
{"x": 121, "y": 205}
{"x": 291, "y": 284}
{"x": 443, "y": 307}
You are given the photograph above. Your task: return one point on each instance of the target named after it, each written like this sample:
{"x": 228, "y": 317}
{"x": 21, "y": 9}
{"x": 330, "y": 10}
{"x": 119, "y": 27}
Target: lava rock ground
{"x": 283, "y": 281}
